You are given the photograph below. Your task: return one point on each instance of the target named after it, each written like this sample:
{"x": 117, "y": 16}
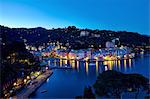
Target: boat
{"x": 91, "y": 64}
{"x": 43, "y": 91}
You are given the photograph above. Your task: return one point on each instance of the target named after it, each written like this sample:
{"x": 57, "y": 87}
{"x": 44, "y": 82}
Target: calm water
{"x": 68, "y": 83}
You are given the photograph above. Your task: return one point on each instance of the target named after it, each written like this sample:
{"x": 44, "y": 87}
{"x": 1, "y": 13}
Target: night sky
{"x": 128, "y": 15}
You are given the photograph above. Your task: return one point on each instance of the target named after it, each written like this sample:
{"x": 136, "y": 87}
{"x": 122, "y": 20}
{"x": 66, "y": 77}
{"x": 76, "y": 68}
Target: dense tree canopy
{"x": 16, "y": 61}
{"x": 113, "y": 83}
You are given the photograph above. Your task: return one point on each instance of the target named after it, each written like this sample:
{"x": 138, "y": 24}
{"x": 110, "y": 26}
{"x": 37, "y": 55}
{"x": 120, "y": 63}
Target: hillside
{"x": 72, "y": 36}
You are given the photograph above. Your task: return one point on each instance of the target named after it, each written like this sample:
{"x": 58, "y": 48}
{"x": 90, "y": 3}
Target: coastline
{"x": 31, "y": 88}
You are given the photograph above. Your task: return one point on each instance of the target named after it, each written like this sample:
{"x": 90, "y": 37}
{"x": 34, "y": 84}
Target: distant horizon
{"x": 72, "y": 25}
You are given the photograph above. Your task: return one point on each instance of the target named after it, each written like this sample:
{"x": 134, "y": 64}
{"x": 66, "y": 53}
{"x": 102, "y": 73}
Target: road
{"x": 31, "y": 88}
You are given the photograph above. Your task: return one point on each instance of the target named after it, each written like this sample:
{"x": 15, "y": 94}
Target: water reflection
{"x": 125, "y": 64}
{"x": 73, "y": 64}
{"x": 97, "y": 66}
{"x": 78, "y": 66}
{"x": 85, "y": 74}
{"x": 61, "y": 62}
{"x": 65, "y": 62}
{"x": 130, "y": 63}
{"x": 49, "y": 62}
{"x": 87, "y": 67}
{"x": 55, "y": 63}
{"x": 119, "y": 64}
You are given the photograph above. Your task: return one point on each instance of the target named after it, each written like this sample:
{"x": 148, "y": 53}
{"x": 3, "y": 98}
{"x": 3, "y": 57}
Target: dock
{"x": 56, "y": 67}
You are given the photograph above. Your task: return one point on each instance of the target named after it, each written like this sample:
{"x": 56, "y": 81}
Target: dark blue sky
{"x": 129, "y": 15}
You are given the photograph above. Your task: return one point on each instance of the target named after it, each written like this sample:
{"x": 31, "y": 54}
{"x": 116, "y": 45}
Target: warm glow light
{"x": 142, "y": 52}
{"x": 125, "y": 64}
{"x": 15, "y": 84}
{"x": 86, "y": 68}
{"x": 65, "y": 61}
{"x": 32, "y": 48}
{"x": 129, "y": 62}
{"x": 28, "y": 77}
{"x": 125, "y": 56}
{"x": 38, "y": 73}
{"x": 86, "y": 59}
{"x": 13, "y": 54}
{"x": 25, "y": 80}
{"x": 110, "y": 64}
{"x": 118, "y": 57}
{"x": 105, "y": 62}
{"x": 25, "y": 60}
{"x": 73, "y": 63}
{"x": 65, "y": 57}
{"x": 97, "y": 68}
{"x": 107, "y": 58}
{"x": 119, "y": 64}
{"x": 96, "y": 58}
{"x": 61, "y": 62}
{"x": 8, "y": 57}
{"x": 78, "y": 66}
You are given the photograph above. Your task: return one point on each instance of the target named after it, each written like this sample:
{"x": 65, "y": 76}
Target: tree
{"x": 136, "y": 82}
{"x": 113, "y": 83}
{"x": 88, "y": 93}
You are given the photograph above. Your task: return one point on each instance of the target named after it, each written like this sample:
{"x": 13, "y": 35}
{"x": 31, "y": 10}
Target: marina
{"x": 83, "y": 74}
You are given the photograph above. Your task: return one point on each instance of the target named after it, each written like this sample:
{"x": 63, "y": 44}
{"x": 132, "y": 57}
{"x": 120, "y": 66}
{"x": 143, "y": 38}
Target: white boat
{"x": 92, "y": 64}
{"x": 43, "y": 91}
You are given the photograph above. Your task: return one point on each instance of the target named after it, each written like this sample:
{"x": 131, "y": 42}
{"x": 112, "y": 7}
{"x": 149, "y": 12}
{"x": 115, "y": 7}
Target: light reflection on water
{"x": 78, "y": 66}
{"x": 130, "y": 64}
{"x": 68, "y": 83}
{"x": 97, "y": 71}
{"x": 87, "y": 67}
{"x": 120, "y": 65}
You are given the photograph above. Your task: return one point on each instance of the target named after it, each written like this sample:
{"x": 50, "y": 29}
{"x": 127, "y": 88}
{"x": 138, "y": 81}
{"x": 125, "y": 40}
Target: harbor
{"x": 75, "y": 49}
{"x": 84, "y": 73}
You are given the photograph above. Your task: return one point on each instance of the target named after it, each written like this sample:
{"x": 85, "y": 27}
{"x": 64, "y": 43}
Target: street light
{"x": 25, "y": 80}
{"x": 15, "y": 84}
{"x": 28, "y": 77}
{"x": 38, "y": 73}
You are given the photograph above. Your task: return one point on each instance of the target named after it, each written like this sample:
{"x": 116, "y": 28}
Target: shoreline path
{"x": 31, "y": 88}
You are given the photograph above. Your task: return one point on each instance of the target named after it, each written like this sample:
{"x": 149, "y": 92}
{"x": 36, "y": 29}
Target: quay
{"x": 37, "y": 83}
{"x": 55, "y": 67}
